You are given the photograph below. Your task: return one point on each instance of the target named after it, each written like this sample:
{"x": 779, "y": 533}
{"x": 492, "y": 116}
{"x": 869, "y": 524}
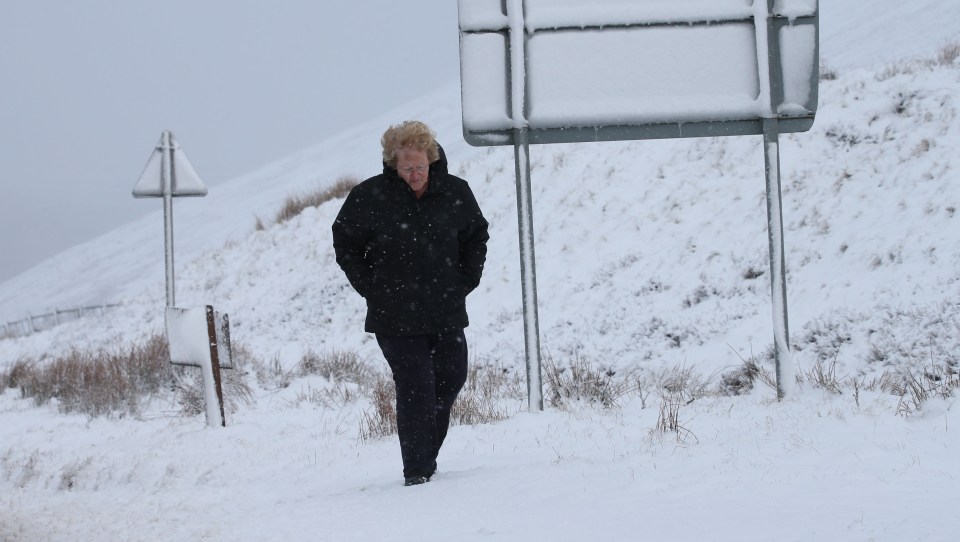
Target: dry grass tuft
{"x": 17, "y": 373}
{"x": 668, "y": 419}
{"x": 296, "y": 204}
{"x": 351, "y": 378}
{"x": 825, "y": 376}
{"x": 581, "y": 382}
{"x": 491, "y": 394}
{"x": 381, "y": 419}
{"x": 914, "y": 388}
{"x": 948, "y": 54}
{"x": 97, "y": 383}
{"x": 336, "y": 366}
{"x": 740, "y": 380}
{"x": 120, "y": 382}
{"x": 827, "y": 73}
{"x": 191, "y": 396}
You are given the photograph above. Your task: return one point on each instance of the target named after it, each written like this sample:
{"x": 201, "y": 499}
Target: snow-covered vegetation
{"x": 655, "y": 320}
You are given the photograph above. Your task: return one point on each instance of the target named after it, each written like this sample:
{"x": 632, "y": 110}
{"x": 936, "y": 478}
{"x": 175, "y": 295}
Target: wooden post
{"x": 215, "y": 363}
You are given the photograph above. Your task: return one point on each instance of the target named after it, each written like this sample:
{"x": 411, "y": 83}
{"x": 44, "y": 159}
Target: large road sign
{"x": 563, "y": 71}
{"x": 644, "y": 69}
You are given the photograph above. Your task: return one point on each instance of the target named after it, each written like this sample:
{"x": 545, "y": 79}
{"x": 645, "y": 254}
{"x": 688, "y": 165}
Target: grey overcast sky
{"x": 87, "y": 88}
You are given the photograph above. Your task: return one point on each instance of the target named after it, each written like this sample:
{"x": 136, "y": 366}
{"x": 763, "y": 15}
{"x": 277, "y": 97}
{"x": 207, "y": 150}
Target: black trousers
{"x": 429, "y": 371}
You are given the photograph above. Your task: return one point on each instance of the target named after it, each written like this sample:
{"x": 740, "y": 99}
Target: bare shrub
{"x": 916, "y": 388}
{"x": 29, "y": 470}
{"x": 381, "y": 419}
{"x": 335, "y": 397}
{"x": 827, "y": 73}
{"x": 485, "y": 393}
{"x": 120, "y": 382}
{"x": 336, "y": 366}
{"x": 296, "y": 204}
{"x": 825, "y": 336}
{"x": 191, "y": 396}
{"x": 949, "y": 54}
{"x": 752, "y": 273}
{"x": 740, "y": 380}
{"x": 683, "y": 380}
{"x": 699, "y": 295}
{"x": 579, "y": 381}
{"x": 351, "y": 378}
{"x": 271, "y": 375}
{"x": 905, "y": 67}
{"x": 668, "y": 420}
{"x": 856, "y": 384}
{"x": 71, "y": 472}
{"x": 17, "y": 372}
{"x": 825, "y": 376}
{"x": 99, "y": 383}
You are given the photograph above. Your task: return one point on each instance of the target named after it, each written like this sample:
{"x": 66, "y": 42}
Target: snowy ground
{"x": 819, "y": 468}
{"x": 648, "y": 259}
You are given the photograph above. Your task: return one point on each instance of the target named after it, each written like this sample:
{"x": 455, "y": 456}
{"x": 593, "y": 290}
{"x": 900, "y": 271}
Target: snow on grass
{"x": 652, "y": 262}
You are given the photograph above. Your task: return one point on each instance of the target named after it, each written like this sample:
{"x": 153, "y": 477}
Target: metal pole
{"x": 778, "y": 280}
{"x": 771, "y": 156}
{"x": 166, "y": 172}
{"x": 515, "y": 12}
{"x": 528, "y": 273}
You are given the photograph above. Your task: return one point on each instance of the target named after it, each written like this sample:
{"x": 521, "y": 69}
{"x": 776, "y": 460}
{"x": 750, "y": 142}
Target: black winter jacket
{"x": 413, "y": 260}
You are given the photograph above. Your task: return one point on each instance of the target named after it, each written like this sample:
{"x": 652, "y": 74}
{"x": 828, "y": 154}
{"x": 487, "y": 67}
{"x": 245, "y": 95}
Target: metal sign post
{"x": 544, "y": 71}
{"x": 528, "y": 274}
{"x": 778, "y": 279}
{"x": 771, "y": 156}
{"x": 168, "y": 174}
{"x": 167, "y": 177}
{"x": 521, "y": 153}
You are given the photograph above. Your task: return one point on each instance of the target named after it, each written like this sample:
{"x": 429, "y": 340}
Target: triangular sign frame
{"x": 184, "y": 179}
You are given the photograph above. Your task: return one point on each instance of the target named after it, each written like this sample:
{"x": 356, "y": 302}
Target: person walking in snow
{"x": 412, "y": 241}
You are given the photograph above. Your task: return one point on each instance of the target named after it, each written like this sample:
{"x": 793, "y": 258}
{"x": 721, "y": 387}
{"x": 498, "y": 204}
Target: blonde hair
{"x": 411, "y": 134}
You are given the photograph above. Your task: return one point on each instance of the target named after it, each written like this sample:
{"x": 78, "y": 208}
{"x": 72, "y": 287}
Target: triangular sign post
{"x": 168, "y": 174}
{"x": 184, "y": 180}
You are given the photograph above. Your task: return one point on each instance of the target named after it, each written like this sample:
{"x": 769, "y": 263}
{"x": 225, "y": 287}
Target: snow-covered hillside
{"x": 651, "y": 255}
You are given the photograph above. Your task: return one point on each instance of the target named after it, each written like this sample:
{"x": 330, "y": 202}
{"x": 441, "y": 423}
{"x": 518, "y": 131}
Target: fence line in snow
{"x": 40, "y": 322}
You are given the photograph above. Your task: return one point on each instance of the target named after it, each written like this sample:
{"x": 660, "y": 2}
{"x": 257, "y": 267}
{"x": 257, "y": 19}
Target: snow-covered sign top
{"x": 616, "y": 69}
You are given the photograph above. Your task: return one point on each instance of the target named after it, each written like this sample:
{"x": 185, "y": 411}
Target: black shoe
{"x": 415, "y": 480}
